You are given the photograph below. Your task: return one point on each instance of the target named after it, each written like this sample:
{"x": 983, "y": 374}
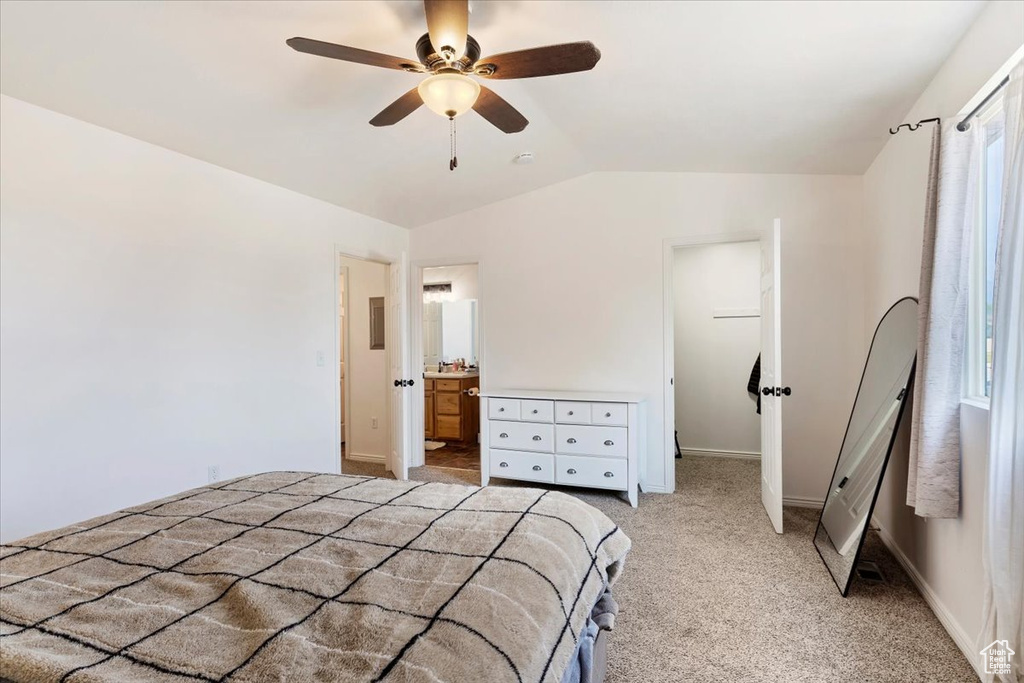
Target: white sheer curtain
{"x": 933, "y": 480}
{"x": 1004, "y": 520}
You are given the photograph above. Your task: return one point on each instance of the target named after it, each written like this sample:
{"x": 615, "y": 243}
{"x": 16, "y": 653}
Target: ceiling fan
{"x": 449, "y": 55}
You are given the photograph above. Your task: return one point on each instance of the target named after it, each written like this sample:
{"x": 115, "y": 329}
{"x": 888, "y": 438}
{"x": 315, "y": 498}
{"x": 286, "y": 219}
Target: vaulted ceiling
{"x": 749, "y": 87}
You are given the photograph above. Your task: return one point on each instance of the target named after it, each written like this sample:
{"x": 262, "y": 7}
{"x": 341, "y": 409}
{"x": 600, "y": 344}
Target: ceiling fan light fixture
{"x": 449, "y": 94}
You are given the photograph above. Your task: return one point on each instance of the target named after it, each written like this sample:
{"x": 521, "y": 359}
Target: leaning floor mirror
{"x": 875, "y": 420}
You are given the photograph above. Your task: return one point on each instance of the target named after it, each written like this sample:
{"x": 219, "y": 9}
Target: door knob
{"x": 411, "y": 382}
{"x": 767, "y": 391}
{"x": 786, "y": 391}
{"x": 398, "y": 382}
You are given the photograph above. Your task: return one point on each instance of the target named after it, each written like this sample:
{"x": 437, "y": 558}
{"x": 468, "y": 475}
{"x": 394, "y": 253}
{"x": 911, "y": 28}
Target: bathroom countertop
{"x": 451, "y": 375}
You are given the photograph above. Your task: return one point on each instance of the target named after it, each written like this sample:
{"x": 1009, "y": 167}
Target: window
{"x": 983, "y": 256}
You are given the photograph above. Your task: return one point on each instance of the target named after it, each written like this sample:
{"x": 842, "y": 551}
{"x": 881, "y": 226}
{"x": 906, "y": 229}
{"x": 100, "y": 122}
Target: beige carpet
{"x": 710, "y": 593}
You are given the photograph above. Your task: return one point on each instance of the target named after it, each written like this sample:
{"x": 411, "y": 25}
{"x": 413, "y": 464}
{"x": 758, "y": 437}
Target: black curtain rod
{"x": 912, "y": 126}
{"x": 966, "y": 122}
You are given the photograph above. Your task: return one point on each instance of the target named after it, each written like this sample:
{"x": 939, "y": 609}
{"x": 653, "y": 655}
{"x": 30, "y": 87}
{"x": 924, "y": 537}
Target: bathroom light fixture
{"x": 437, "y": 293}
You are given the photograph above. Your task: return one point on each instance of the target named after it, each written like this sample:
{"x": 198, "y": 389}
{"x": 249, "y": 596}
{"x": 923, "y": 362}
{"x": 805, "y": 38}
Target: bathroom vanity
{"x": 450, "y": 413}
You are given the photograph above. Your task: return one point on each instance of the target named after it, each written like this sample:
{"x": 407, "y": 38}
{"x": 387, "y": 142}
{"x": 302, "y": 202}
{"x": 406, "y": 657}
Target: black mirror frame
{"x": 845, "y": 590}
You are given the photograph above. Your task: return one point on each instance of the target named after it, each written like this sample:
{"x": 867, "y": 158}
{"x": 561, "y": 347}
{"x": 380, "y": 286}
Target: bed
{"x": 316, "y": 577}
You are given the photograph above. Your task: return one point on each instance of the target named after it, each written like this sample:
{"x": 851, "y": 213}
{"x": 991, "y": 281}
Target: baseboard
{"x": 366, "y": 457}
{"x": 707, "y": 453}
{"x": 945, "y": 617}
{"x": 800, "y": 502}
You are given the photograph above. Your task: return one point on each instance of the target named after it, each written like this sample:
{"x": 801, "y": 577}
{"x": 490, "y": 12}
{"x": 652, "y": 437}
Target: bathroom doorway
{"x": 449, "y": 334}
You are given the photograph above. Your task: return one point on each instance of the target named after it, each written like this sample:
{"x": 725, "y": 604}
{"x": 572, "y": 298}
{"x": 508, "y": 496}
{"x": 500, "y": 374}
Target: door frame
{"x": 669, "y": 246}
{"x": 340, "y": 252}
{"x": 344, "y": 335}
{"x": 416, "y": 421}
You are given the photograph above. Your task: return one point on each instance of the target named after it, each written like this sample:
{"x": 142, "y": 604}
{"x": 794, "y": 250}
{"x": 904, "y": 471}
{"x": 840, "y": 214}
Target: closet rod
{"x": 966, "y": 122}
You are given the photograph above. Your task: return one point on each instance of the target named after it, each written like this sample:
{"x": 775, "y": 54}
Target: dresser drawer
{"x": 537, "y": 411}
{"x": 572, "y": 412}
{"x": 448, "y": 427}
{"x": 448, "y": 385}
{"x": 519, "y": 465}
{"x": 503, "y": 408}
{"x": 522, "y": 436}
{"x": 448, "y": 403}
{"x": 608, "y": 414}
{"x": 591, "y": 440}
{"x": 578, "y": 470}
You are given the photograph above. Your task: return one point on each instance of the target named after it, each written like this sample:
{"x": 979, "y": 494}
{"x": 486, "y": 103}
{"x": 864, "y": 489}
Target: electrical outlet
{"x": 320, "y": 359}
{"x": 373, "y": 422}
{"x": 214, "y": 473}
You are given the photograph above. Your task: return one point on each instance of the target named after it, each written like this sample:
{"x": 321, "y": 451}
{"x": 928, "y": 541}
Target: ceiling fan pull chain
{"x": 453, "y": 162}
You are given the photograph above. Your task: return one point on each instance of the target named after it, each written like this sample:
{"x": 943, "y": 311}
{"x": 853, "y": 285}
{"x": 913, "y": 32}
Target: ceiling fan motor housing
{"x": 431, "y": 57}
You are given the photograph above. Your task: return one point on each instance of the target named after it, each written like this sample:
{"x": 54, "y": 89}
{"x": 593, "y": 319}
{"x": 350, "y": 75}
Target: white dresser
{"x": 563, "y": 437}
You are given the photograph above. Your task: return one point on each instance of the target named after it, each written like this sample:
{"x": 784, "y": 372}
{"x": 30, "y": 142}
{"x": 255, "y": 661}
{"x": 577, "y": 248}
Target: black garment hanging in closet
{"x": 754, "y": 383}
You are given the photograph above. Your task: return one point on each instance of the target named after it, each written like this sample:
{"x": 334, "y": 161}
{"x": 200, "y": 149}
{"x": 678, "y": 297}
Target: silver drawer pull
{"x": 536, "y": 438}
{"x": 503, "y": 435}
{"x": 571, "y": 471}
{"x": 502, "y": 464}
{"x": 571, "y": 441}
{"x": 570, "y": 413}
{"x": 607, "y": 414}
{"x": 608, "y": 474}
{"x": 534, "y": 412}
{"x": 609, "y": 442}
{"x": 536, "y": 468}
{"x": 501, "y": 410}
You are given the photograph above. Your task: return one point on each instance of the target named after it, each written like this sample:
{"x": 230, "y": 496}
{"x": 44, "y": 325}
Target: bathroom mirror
{"x": 451, "y": 319}
{"x": 881, "y": 398}
{"x": 449, "y": 331}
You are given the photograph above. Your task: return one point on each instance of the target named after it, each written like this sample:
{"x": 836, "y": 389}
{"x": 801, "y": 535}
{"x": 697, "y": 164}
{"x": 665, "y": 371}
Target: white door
{"x": 398, "y": 354}
{"x": 432, "y": 323}
{"x": 771, "y": 375}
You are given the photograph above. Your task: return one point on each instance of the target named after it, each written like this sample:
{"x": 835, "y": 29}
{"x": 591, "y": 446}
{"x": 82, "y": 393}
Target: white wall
{"x": 946, "y": 553}
{"x": 158, "y": 314}
{"x": 573, "y": 275}
{"x": 714, "y": 356}
{"x": 367, "y": 368}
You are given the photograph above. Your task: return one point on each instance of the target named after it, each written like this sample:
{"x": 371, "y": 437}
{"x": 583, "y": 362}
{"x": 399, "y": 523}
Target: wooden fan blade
{"x": 566, "y": 58}
{"x": 352, "y": 54}
{"x": 399, "y": 109}
{"x": 448, "y": 25}
{"x": 498, "y": 112}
